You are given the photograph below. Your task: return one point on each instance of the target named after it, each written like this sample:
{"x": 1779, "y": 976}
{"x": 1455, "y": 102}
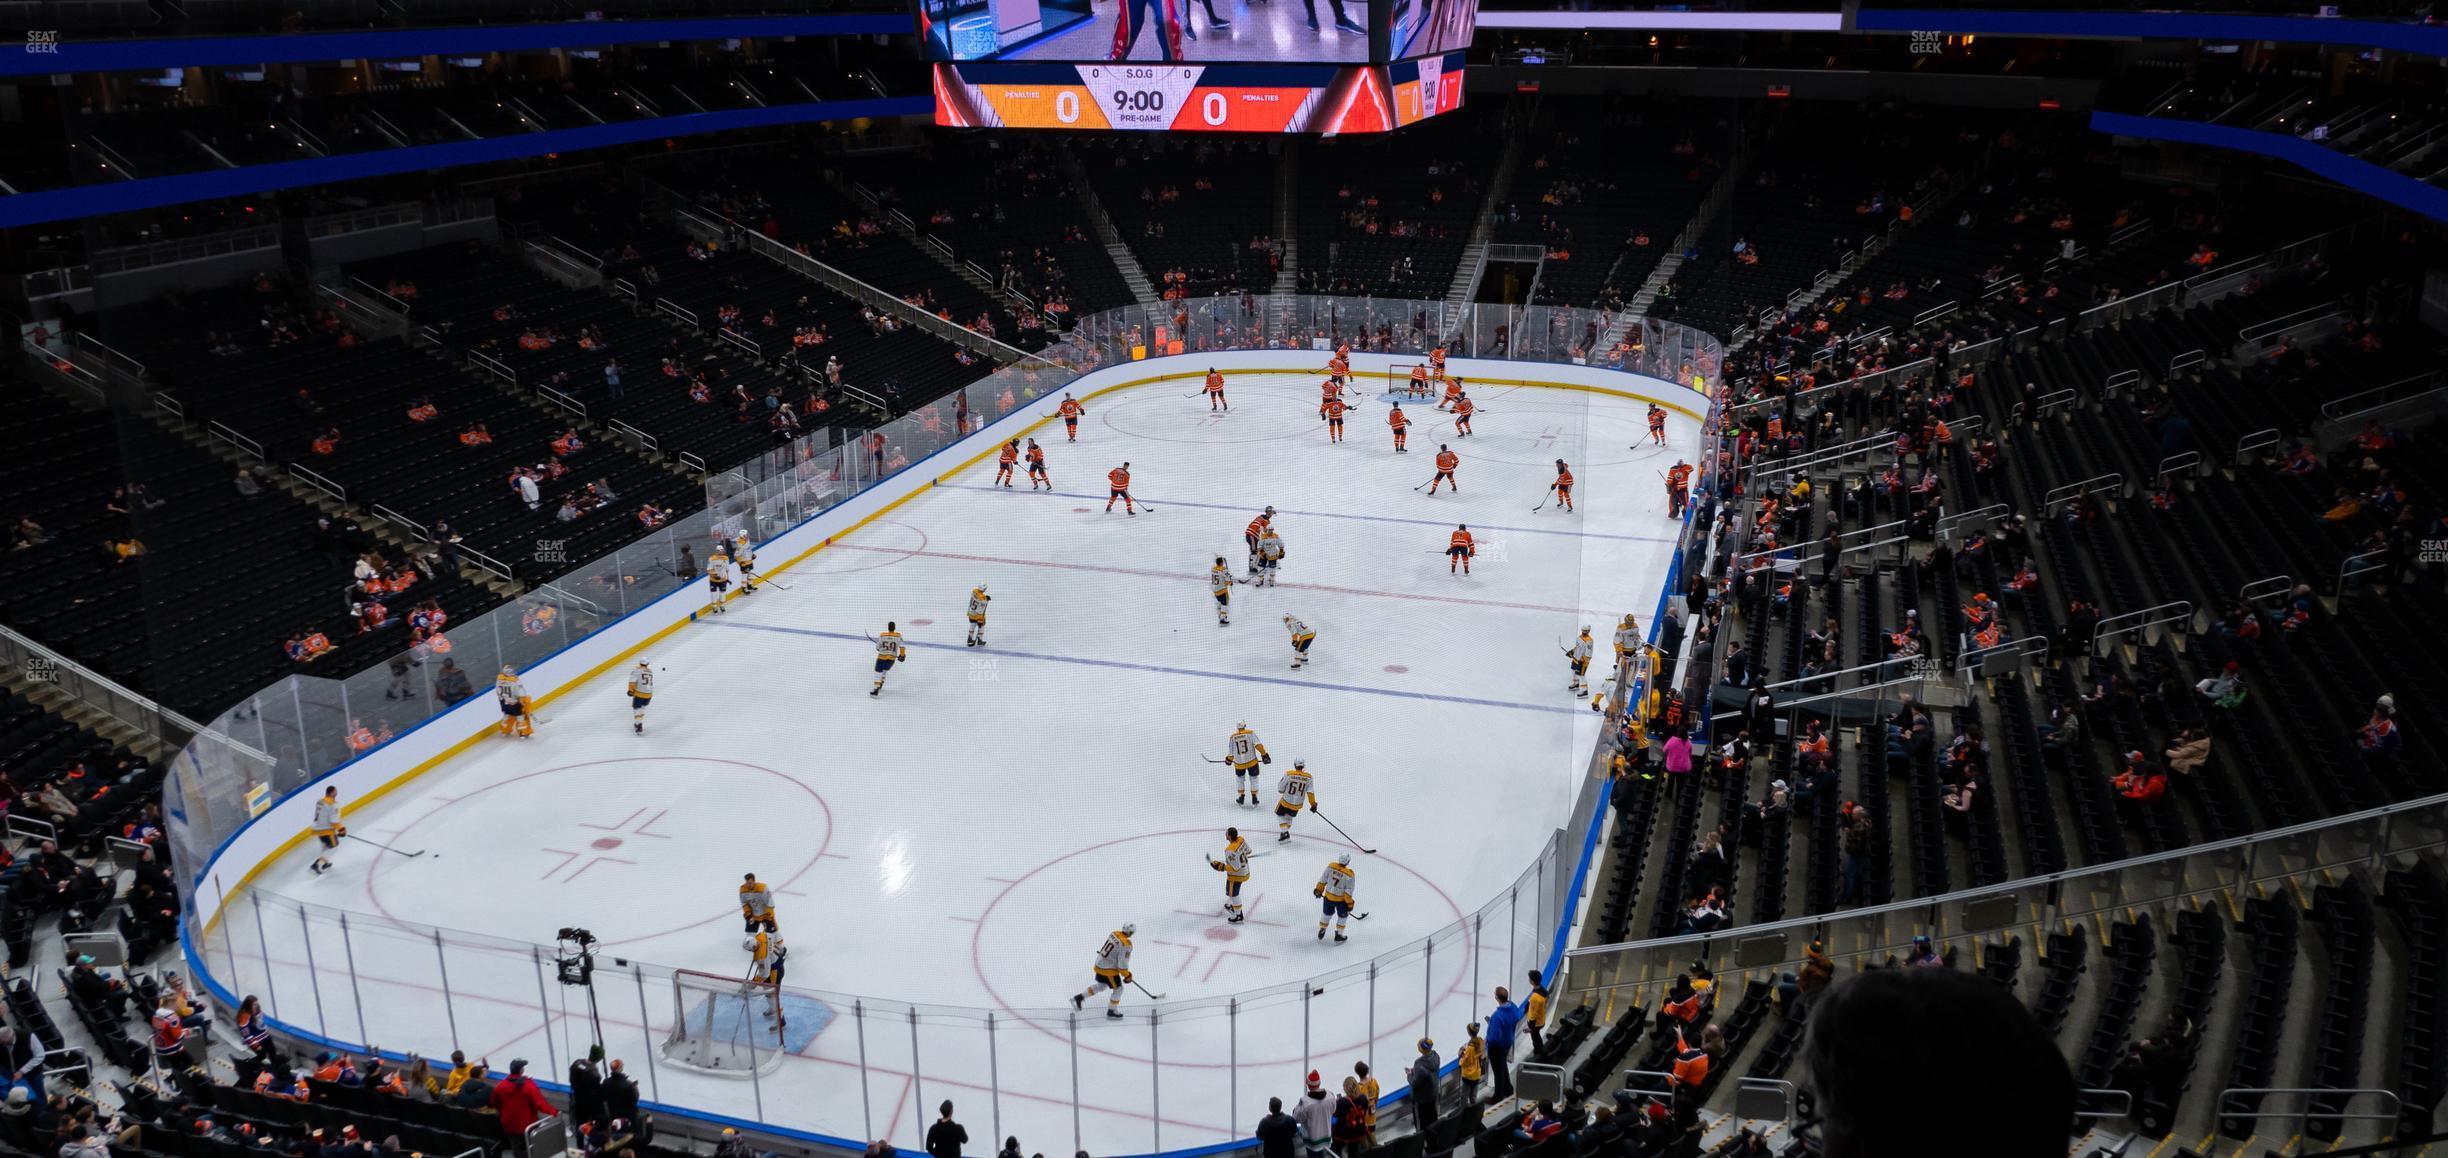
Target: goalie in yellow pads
{"x": 518, "y": 712}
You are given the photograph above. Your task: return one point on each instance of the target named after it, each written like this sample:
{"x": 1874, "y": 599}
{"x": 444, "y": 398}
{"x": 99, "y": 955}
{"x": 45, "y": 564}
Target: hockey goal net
{"x": 724, "y": 1025}
{"x": 1399, "y": 384}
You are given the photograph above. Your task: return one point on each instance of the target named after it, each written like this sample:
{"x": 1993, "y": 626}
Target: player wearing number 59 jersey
{"x": 978, "y": 599}
{"x": 1295, "y": 791}
{"x": 1112, "y": 972}
{"x": 1243, "y": 751}
{"x": 1334, "y": 887}
{"x": 1234, "y": 864}
{"x": 1220, "y": 581}
{"x": 888, "y": 652}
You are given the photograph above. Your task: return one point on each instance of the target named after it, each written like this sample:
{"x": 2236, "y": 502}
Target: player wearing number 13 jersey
{"x": 1112, "y": 972}
{"x": 1243, "y": 751}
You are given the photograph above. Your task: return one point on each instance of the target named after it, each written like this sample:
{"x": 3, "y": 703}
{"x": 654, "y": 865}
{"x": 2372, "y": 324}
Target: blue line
{"x": 1338, "y": 515}
{"x": 1149, "y": 667}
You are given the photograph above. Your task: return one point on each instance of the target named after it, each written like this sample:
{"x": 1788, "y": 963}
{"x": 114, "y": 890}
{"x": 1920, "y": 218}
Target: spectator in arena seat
{"x": 451, "y": 683}
{"x": 1888, "y": 1057}
{"x": 2379, "y": 740}
{"x": 119, "y": 551}
{"x": 1853, "y": 837}
{"x": 2188, "y": 752}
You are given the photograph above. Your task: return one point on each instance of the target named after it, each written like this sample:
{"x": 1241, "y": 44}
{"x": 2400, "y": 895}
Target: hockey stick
{"x": 1431, "y": 482}
{"x": 1144, "y": 989}
{"x": 1212, "y": 760}
{"x": 384, "y": 847}
{"x": 1347, "y": 836}
{"x": 1542, "y": 503}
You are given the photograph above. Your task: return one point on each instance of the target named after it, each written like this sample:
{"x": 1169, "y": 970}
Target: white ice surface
{"x": 964, "y": 841}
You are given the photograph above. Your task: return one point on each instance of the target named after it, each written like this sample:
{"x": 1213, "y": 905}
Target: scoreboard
{"x": 1209, "y": 98}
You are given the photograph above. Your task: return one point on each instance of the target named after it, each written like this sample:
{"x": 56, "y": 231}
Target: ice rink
{"x": 962, "y": 843}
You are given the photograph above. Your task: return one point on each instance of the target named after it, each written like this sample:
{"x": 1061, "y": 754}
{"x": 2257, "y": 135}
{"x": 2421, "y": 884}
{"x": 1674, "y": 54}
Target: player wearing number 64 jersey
{"x": 1296, "y": 790}
{"x": 1112, "y": 972}
{"x": 1334, "y": 887}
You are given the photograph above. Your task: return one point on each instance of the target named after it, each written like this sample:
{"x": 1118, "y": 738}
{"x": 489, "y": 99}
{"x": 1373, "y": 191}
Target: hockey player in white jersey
{"x": 1302, "y": 637}
{"x": 1112, "y": 972}
{"x": 718, "y": 577}
{"x": 756, "y": 904}
{"x": 1234, "y": 864}
{"x": 1270, "y": 556}
{"x": 1334, "y": 887}
{"x": 743, "y": 557}
{"x": 978, "y": 599}
{"x": 1297, "y": 790}
{"x": 1579, "y": 656}
{"x": 327, "y": 829}
{"x": 1244, "y": 754}
{"x": 1220, "y": 581}
{"x": 641, "y": 693}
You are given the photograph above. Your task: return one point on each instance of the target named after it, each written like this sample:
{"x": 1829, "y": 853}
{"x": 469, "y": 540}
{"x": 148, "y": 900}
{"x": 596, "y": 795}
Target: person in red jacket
{"x": 520, "y": 1104}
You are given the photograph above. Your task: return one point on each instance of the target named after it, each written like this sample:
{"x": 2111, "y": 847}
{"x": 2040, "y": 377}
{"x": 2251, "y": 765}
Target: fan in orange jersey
{"x": 1401, "y": 423}
{"x": 1120, "y": 478}
{"x": 1333, "y": 411}
{"x": 1257, "y": 529}
{"x": 1070, "y": 411}
{"x": 1453, "y": 394}
{"x": 1215, "y": 390}
{"x": 1419, "y": 380}
{"x": 1657, "y": 424}
{"x": 1003, "y": 463}
{"x": 1459, "y": 551}
{"x": 1446, "y": 461}
{"x": 1463, "y": 408}
{"x": 1563, "y": 484}
{"x": 1037, "y": 467}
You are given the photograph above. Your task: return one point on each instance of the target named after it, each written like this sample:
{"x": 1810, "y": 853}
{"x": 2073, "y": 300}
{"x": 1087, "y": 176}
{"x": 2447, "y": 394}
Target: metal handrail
{"x": 391, "y": 516}
{"x": 2054, "y": 399}
{"x": 634, "y": 434}
{"x": 493, "y": 366}
{"x": 2256, "y": 440}
{"x": 111, "y": 357}
{"x": 1971, "y": 659}
{"x": 487, "y": 563}
{"x": 2092, "y": 485}
{"x": 743, "y": 341}
{"x": 2120, "y": 380}
{"x": 691, "y": 460}
{"x": 2353, "y": 565}
{"x": 2284, "y": 322}
{"x": 623, "y": 287}
{"x": 222, "y": 430}
{"x": 1933, "y": 313}
{"x": 2389, "y": 1098}
{"x": 562, "y": 399}
{"x": 318, "y": 482}
{"x": 169, "y": 405}
{"x": 2170, "y": 612}
{"x": 2339, "y": 407}
{"x": 1947, "y": 523}
{"x": 676, "y": 310}
{"x": 2265, "y": 587}
{"x": 2123, "y": 1100}
{"x": 2185, "y": 460}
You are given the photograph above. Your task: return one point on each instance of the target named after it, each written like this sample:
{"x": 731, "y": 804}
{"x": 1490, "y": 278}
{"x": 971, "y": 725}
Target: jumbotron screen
{"x": 1285, "y": 98}
{"x": 1264, "y": 66}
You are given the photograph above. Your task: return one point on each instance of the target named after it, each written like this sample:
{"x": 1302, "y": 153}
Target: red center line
{"x": 1147, "y": 573}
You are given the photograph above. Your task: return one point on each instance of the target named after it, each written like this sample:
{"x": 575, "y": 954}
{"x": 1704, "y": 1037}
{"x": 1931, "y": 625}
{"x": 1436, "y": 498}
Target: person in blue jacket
{"x": 1502, "y": 1025}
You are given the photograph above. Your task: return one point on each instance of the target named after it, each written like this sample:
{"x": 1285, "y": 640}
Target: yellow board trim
{"x": 444, "y": 756}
